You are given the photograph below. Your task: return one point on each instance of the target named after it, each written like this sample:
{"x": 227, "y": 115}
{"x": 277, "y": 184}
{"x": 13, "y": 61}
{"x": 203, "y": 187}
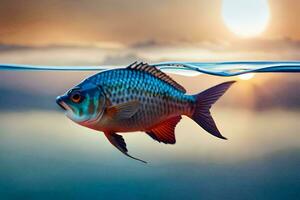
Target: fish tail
{"x": 204, "y": 101}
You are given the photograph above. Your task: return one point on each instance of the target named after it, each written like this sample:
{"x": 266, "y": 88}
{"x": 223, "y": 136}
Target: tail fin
{"x": 204, "y": 101}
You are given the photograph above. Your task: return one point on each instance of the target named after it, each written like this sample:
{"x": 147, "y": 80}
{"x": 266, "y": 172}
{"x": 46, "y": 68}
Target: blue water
{"x": 43, "y": 155}
{"x": 185, "y": 68}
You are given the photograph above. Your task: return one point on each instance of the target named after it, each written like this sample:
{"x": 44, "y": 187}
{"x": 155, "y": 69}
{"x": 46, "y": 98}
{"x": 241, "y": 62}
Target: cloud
{"x": 216, "y": 50}
{"x": 152, "y": 51}
{"x": 12, "y": 47}
{"x": 121, "y": 59}
{"x": 72, "y": 54}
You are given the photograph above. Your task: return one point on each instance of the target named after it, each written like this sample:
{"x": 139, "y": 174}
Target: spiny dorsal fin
{"x": 155, "y": 72}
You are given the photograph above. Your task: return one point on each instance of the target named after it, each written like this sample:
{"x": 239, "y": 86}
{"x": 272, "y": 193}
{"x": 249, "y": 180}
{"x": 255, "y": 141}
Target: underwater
{"x": 48, "y": 49}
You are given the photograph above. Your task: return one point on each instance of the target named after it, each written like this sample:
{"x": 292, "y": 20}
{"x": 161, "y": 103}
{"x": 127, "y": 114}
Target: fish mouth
{"x": 61, "y": 103}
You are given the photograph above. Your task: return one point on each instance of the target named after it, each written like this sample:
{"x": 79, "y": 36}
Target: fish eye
{"x": 76, "y": 97}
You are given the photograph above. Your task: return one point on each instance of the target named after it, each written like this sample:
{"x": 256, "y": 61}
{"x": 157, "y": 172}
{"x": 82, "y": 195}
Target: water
{"x": 43, "y": 155}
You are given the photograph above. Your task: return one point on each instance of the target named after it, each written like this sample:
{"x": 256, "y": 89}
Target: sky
{"x": 116, "y": 32}
{"x": 36, "y": 22}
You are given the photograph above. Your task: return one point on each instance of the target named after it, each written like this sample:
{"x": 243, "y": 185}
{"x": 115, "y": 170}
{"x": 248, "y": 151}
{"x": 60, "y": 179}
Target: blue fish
{"x": 138, "y": 98}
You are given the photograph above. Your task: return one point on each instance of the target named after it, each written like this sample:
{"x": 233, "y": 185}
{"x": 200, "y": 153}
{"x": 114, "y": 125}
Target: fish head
{"x": 84, "y": 103}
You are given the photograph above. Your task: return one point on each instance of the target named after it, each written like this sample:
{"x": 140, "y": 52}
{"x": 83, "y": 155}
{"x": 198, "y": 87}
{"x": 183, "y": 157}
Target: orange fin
{"x": 150, "y": 69}
{"x": 164, "y": 132}
{"x": 123, "y": 110}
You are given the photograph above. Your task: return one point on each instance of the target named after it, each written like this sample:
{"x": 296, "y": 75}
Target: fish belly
{"x": 150, "y": 113}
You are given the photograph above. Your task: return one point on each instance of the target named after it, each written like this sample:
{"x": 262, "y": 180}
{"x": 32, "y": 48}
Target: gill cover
{"x": 86, "y": 102}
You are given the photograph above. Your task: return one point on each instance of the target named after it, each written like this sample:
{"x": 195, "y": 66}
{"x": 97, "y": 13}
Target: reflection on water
{"x": 44, "y": 155}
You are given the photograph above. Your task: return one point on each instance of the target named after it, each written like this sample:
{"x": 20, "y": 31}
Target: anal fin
{"x": 164, "y": 132}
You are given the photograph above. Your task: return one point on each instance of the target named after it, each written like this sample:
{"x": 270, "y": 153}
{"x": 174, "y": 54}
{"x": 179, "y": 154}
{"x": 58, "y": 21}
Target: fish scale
{"x": 125, "y": 85}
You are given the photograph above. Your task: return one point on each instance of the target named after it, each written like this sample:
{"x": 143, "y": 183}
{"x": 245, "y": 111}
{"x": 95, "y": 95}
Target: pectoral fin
{"x": 123, "y": 110}
{"x": 119, "y": 142}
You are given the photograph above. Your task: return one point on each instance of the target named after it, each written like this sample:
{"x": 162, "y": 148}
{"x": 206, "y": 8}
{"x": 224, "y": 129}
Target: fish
{"x": 139, "y": 97}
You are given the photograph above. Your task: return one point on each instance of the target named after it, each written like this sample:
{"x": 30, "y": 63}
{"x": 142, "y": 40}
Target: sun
{"x": 246, "y": 18}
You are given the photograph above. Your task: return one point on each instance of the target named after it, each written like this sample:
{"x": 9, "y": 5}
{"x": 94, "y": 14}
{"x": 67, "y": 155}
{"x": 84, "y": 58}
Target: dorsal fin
{"x": 157, "y": 73}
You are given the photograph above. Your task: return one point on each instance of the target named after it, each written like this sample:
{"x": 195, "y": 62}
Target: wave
{"x": 183, "y": 68}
